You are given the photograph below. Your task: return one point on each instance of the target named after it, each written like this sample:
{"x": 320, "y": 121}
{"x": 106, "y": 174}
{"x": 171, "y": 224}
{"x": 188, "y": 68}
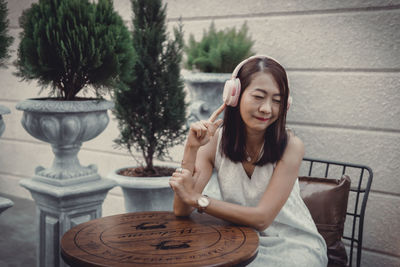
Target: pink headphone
{"x": 232, "y": 87}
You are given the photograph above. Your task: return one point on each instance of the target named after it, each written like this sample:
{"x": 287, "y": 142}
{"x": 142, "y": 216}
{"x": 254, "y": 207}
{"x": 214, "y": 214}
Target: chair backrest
{"x": 361, "y": 179}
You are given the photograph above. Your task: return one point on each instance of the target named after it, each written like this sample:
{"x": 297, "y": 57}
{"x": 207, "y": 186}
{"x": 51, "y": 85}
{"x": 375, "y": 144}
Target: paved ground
{"x": 18, "y": 234}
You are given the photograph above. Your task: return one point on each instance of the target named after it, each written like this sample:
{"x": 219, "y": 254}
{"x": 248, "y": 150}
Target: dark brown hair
{"x": 233, "y": 133}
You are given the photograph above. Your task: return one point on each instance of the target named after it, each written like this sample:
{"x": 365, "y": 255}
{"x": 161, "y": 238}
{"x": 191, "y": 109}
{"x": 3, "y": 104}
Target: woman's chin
{"x": 258, "y": 127}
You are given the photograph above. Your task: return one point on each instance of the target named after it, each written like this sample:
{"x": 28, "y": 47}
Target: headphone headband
{"x": 240, "y": 65}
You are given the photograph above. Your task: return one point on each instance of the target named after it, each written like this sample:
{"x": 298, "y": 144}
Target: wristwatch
{"x": 202, "y": 203}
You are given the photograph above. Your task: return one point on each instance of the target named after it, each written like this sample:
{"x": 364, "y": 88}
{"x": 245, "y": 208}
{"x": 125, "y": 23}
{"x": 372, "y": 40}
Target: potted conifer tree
{"x": 5, "y": 38}
{"x": 5, "y": 42}
{"x": 211, "y": 61}
{"x": 71, "y": 46}
{"x": 150, "y": 109}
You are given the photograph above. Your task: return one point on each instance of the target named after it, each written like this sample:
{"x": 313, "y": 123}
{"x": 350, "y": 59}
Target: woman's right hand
{"x": 201, "y": 132}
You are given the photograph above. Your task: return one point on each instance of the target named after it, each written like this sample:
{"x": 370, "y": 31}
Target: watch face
{"x": 203, "y": 202}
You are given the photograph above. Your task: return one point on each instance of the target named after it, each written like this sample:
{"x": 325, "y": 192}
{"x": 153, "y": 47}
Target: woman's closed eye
{"x": 278, "y": 101}
{"x": 258, "y": 96}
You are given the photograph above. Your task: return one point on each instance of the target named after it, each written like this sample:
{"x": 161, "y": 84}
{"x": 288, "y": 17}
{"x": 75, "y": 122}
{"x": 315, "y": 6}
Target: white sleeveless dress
{"x": 292, "y": 239}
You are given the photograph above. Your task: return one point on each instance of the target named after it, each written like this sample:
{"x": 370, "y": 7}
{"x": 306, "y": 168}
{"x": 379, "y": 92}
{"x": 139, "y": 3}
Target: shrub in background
{"x": 218, "y": 51}
{"x": 70, "y": 44}
{"x": 5, "y": 39}
{"x": 151, "y": 109}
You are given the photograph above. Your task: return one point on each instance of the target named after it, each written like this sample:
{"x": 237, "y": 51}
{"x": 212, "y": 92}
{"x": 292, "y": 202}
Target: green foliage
{"x": 5, "y": 39}
{"x": 219, "y": 51}
{"x": 70, "y": 44}
{"x": 151, "y": 108}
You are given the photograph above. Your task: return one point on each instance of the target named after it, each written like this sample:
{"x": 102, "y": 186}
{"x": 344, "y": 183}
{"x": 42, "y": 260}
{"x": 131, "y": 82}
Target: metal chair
{"x": 361, "y": 179}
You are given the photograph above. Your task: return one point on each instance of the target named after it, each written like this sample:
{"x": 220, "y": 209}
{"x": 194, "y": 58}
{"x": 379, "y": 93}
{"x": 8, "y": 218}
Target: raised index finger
{"x": 216, "y": 113}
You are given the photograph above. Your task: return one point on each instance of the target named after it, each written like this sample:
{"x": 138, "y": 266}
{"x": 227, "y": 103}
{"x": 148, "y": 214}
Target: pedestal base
{"x": 61, "y": 208}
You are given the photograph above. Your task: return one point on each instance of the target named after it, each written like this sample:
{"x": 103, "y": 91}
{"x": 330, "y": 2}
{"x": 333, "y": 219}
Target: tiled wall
{"x": 343, "y": 62}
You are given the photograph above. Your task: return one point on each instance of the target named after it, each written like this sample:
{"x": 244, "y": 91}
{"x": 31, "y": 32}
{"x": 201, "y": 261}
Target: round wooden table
{"x": 159, "y": 239}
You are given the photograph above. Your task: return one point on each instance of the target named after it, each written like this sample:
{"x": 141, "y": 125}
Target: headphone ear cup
{"x": 236, "y": 92}
{"x": 231, "y": 92}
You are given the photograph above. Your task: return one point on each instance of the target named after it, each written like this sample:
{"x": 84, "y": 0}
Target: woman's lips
{"x": 262, "y": 119}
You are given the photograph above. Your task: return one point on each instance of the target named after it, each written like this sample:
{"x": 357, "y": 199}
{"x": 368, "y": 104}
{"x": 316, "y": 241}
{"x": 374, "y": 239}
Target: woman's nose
{"x": 266, "y": 107}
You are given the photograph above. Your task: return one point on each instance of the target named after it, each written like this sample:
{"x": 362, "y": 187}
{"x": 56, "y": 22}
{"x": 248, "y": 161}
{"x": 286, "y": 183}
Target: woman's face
{"x": 260, "y": 102}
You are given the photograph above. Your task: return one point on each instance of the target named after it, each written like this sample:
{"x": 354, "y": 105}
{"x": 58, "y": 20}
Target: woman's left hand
{"x": 182, "y": 182}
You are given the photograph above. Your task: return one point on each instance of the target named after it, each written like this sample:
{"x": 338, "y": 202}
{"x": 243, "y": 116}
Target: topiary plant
{"x": 70, "y": 44}
{"x": 218, "y": 51}
{"x": 151, "y": 109}
{"x": 5, "y": 39}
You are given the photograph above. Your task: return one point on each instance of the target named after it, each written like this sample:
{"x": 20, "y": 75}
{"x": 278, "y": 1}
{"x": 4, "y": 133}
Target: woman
{"x": 257, "y": 161}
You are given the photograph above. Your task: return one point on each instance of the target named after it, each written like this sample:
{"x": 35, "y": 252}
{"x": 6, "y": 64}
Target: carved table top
{"x": 159, "y": 239}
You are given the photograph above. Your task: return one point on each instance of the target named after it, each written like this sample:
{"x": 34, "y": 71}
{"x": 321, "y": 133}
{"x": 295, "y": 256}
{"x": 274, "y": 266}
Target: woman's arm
{"x": 200, "y": 161}
{"x": 198, "y": 158}
{"x": 273, "y": 199}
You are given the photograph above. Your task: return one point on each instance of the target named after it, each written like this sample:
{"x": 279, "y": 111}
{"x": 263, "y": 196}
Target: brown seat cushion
{"x": 326, "y": 199}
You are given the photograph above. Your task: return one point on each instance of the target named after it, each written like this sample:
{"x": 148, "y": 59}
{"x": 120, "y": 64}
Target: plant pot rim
{"x": 141, "y": 182}
{"x": 4, "y": 110}
{"x": 196, "y": 77}
{"x": 46, "y": 104}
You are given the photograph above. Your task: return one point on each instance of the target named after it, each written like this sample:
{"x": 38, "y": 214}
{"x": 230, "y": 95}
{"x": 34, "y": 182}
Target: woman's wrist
{"x": 193, "y": 200}
{"x": 189, "y": 158}
{"x": 192, "y": 146}
{"x": 190, "y": 150}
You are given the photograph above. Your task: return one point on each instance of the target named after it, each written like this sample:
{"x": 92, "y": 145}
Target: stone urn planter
{"x": 4, "y": 202}
{"x": 67, "y": 193}
{"x": 205, "y": 92}
{"x": 3, "y": 110}
{"x": 145, "y": 193}
{"x": 65, "y": 125}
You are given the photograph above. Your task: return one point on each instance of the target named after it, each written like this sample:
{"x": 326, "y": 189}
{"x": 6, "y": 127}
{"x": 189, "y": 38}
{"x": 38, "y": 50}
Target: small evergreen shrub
{"x": 151, "y": 108}
{"x": 5, "y": 39}
{"x": 70, "y": 44}
{"x": 218, "y": 51}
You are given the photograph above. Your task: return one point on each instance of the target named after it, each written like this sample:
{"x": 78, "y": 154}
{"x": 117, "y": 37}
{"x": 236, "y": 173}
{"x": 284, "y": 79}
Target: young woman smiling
{"x": 257, "y": 160}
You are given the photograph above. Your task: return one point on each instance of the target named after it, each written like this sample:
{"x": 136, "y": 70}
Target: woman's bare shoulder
{"x": 295, "y": 145}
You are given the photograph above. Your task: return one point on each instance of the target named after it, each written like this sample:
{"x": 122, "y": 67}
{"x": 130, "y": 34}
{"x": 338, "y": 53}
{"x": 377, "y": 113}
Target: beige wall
{"x": 343, "y": 62}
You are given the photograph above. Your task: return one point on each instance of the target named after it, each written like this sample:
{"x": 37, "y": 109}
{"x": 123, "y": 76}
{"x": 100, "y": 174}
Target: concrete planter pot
{"x": 5, "y": 203}
{"x": 154, "y": 193}
{"x": 65, "y": 125}
{"x": 145, "y": 193}
{"x": 66, "y": 194}
{"x": 206, "y": 93}
{"x": 3, "y": 110}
